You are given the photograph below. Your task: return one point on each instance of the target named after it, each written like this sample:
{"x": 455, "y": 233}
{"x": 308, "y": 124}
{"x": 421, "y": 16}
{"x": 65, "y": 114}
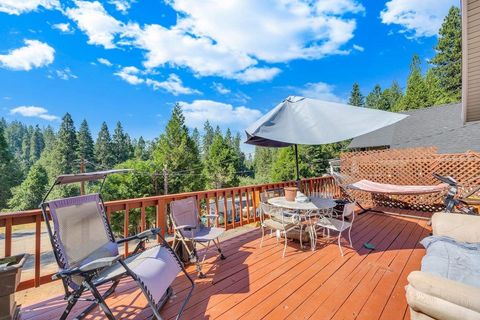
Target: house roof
{"x": 438, "y": 126}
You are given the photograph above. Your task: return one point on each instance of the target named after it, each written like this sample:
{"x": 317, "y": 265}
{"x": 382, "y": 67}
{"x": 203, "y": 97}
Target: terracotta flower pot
{"x": 290, "y": 193}
{"x": 10, "y": 271}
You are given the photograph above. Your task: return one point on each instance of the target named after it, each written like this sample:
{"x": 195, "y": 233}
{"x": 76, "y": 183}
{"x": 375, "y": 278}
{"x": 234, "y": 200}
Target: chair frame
{"x": 89, "y": 284}
{"x": 294, "y": 216}
{"x": 180, "y": 238}
{"x": 348, "y": 210}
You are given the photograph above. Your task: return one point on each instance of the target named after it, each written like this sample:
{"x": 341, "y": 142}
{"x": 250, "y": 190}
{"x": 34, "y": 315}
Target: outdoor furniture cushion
{"x": 276, "y": 225}
{"x": 453, "y": 260}
{"x": 461, "y": 227}
{"x": 156, "y": 267}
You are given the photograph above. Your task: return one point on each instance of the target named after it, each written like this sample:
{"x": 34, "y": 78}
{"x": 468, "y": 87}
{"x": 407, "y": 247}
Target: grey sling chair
{"x": 87, "y": 253}
{"x": 187, "y": 228}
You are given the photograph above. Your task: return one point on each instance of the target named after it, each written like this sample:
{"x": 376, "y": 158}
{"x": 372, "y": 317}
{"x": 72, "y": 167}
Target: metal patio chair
{"x": 329, "y": 223}
{"x": 188, "y": 228}
{"x": 281, "y": 221}
{"x": 88, "y": 254}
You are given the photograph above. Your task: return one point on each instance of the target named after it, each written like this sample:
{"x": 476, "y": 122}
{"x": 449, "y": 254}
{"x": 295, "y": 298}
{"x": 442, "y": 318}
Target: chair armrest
{"x": 185, "y": 227}
{"x": 99, "y": 263}
{"x": 211, "y": 215}
{"x": 424, "y": 286}
{"x": 461, "y": 227}
{"x": 140, "y": 236}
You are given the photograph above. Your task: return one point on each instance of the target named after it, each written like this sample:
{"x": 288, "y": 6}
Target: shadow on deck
{"x": 256, "y": 283}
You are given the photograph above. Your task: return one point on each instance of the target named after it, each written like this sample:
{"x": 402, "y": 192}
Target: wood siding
{"x": 471, "y": 59}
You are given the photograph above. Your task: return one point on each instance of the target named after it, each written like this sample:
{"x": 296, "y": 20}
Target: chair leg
{"x": 219, "y": 249}
{"x": 263, "y": 235}
{"x": 285, "y": 247}
{"x": 350, "y": 236}
{"x": 301, "y": 236}
{"x": 339, "y": 243}
{"x": 98, "y": 297}
{"x": 71, "y": 303}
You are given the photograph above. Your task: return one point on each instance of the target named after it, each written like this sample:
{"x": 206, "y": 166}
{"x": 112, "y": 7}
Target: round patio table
{"x": 316, "y": 204}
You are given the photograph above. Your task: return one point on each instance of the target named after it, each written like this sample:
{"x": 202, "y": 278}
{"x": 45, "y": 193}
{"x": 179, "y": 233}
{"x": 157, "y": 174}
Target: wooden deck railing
{"x": 235, "y": 206}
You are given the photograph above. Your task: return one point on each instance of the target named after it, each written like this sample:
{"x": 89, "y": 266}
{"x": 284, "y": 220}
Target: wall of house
{"x": 471, "y": 60}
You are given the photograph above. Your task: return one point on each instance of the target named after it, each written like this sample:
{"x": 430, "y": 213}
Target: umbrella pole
{"x": 296, "y": 162}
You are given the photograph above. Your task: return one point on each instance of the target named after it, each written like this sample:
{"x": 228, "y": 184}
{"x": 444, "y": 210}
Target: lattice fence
{"x": 412, "y": 166}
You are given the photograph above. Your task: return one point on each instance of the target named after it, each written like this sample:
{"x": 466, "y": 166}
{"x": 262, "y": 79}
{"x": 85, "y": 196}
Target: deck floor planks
{"x": 382, "y": 239}
{"x": 361, "y": 291}
{"x": 256, "y": 283}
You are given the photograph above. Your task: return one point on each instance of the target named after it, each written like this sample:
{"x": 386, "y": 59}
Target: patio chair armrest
{"x": 99, "y": 263}
{"x": 211, "y": 215}
{"x": 66, "y": 273}
{"x": 185, "y": 227}
{"x": 140, "y": 236}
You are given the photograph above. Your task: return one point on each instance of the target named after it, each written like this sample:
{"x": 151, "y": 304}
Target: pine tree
{"x": 49, "y": 137}
{"x": 390, "y": 97}
{"x": 29, "y": 194}
{"x": 436, "y": 94}
{"x": 66, "y": 147}
{"x": 207, "y": 140}
{"x": 26, "y": 150}
{"x": 356, "y": 97}
{"x": 37, "y": 144}
{"x": 9, "y": 172}
{"x": 220, "y": 165}
{"x": 263, "y": 162}
{"x": 447, "y": 63}
{"x": 374, "y": 98}
{"x": 121, "y": 145}
{"x": 416, "y": 94}
{"x": 86, "y": 146}
{"x": 196, "y": 138}
{"x": 103, "y": 149}
{"x": 140, "y": 149}
{"x": 176, "y": 152}
{"x": 14, "y": 133}
{"x": 283, "y": 168}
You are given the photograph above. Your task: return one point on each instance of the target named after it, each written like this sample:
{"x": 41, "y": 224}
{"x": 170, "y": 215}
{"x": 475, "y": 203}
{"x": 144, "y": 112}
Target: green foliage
{"x": 103, "y": 149}
{"x": 177, "y": 154}
{"x": 374, "y": 98}
{"x": 137, "y": 184}
{"x": 207, "y": 140}
{"x": 66, "y": 147}
{"x": 390, "y": 97}
{"x": 140, "y": 151}
{"x": 356, "y": 97}
{"x": 447, "y": 63}
{"x": 29, "y": 194}
{"x": 121, "y": 145}
{"x": 9, "y": 172}
{"x": 263, "y": 162}
{"x": 37, "y": 144}
{"x": 283, "y": 167}
{"x": 85, "y": 146}
{"x": 221, "y": 163}
{"x": 416, "y": 94}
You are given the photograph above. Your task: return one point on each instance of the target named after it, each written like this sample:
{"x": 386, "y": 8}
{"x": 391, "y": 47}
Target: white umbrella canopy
{"x": 299, "y": 120}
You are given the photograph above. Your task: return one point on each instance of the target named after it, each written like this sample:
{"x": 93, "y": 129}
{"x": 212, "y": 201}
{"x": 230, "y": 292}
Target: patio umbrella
{"x": 298, "y": 120}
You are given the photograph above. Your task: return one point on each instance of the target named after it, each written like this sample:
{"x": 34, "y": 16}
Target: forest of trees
{"x": 31, "y": 157}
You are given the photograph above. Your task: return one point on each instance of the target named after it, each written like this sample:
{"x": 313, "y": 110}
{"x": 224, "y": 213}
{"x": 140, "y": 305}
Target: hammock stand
{"x": 385, "y": 189}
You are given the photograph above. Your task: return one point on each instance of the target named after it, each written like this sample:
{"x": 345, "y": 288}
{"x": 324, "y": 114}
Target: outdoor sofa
{"x": 448, "y": 287}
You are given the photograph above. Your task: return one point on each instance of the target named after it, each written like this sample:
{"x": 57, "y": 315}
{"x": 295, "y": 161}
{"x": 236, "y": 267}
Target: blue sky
{"x": 226, "y": 61}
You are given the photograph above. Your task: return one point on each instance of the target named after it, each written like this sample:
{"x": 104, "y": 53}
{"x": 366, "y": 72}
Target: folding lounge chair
{"x": 88, "y": 256}
{"x": 187, "y": 228}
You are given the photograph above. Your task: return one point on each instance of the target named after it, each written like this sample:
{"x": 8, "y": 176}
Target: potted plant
{"x": 10, "y": 272}
{"x": 290, "y": 193}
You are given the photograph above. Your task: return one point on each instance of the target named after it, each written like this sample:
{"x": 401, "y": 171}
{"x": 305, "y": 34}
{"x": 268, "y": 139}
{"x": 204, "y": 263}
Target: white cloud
{"x": 122, "y": 5}
{"x": 254, "y": 74}
{"x": 92, "y": 19}
{"x": 105, "y": 62}
{"x": 283, "y": 30}
{"x": 319, "y": 90}
{"x": 417, "y": 18}
{"x": 32, "y": 111}
{"x": 218, "y": 113}
{"x": 34, "y": 54}
{"x": 18, "y": 7}
{"x": 220, "y": 88}
{"x": 63, "y": 27}
{"x": 130, "y": 75}
{"x": 173, "y": 84}
{"x": 65, "y": 74}
{"x": 358, "y": 48}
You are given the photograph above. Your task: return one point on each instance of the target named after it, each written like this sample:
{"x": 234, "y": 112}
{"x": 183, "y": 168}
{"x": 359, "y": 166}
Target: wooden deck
{"x": 256, "y": 283}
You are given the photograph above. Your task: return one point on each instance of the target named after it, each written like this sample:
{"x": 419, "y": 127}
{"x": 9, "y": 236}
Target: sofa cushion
{"x": 458, "y": 261}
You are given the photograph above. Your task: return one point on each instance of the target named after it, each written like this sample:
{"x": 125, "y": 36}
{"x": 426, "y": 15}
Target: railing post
{"x": 143, "y": 220}
{"x": 38, "y": 230}
{"x": 8, "y": 237}
{"x": 125, "y": 227}
{"x": 161, "y": 218}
